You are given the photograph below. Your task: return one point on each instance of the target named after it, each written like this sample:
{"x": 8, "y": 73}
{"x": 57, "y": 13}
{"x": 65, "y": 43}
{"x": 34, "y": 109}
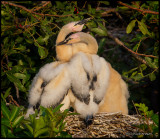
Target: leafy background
{"x": 127, "y": 34}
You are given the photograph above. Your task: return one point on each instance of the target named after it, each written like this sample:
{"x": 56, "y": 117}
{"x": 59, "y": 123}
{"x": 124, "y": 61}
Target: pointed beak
{"x": 83, "y": 21}
{"x": 61, "y": 43}
{"x": 88, "y": 120}
{"x": 64, "y": 42}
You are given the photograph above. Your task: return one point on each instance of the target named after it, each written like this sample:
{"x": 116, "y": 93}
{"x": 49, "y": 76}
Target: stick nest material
{"x": 114, "y": 125}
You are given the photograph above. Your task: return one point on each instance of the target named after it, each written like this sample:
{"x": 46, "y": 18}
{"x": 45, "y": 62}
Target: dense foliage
{"x": 146, "y": 115}
{"x": 29, "y": 30}
{"x": 48, "y": 123}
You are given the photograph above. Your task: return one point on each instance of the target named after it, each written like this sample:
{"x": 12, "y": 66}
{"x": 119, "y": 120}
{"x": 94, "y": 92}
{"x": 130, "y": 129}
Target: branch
{"x": 108, "y": 10}
{"x": 143, "y": 11}
{"x": 15, "y": 102}
{"x": 122, "y": 44}
{"x": 130, "y": 80}
{"x": 45, "y": 4}
{"x": 30, "y": 11}
{"x": 129, "y": 50}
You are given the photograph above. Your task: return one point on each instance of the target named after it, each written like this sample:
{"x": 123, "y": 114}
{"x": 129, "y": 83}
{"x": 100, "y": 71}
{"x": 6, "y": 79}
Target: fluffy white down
{"x": 78, "y": 76}
{"x": 85, "y": 62}
{"x": 84, "y": 109}
{"x": 102, "y": 80}
{"x": 73, "y": 73}
{"x": 97, "y": 65}
{"x": 50, "y": 71}
{"x": 53, "y": 92}
{"x": 46, "y": 73}
{"x": 35, "y": 90}
{"x": 79, "y": 65}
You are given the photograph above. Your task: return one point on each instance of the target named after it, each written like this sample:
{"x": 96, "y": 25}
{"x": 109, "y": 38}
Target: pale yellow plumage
{"x": 116, "y": 95}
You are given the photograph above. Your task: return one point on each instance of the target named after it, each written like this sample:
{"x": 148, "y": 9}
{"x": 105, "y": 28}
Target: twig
{"x": 13, "y": 100}
{"x": 30, "y": 11}
{"x": 143, "y": 11}
{"x": 109, "y": 10}
{"x": 138, "y": 113}
{"x": 109, "y": 114}
{"x": 122, "y": 44}
{"x": 38, "y": 8}
{"x": 84, "y": 4}
{"x": 130, "y": 80}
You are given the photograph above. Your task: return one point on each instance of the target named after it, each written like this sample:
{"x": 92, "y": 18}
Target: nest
{"x": 114, "y": 125}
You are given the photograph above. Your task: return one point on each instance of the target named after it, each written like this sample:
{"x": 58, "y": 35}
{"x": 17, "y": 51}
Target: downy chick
{"x": 78, "y": 42}
{"x": 64, "y": 32}
{"x": 51, "y": 71}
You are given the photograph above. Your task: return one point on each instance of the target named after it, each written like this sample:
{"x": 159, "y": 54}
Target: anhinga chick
{"x": 69, "y": 28}
{"x": 78, "y": 42}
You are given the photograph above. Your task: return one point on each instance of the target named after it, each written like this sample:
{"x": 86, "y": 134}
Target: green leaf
{"x": 12, "y": 52}
{"x": 89, "y": 8}
{"x": 5, "y": 122}
{"x": 138, "y": 77}
{"x": 5, "y": 110}
{"x": 55, "y": 130}
{"x": 93, "y": 11}
{"x": 91, "y": 24}
{"x": 46, "y": 39}
{"x": 150, "y": 63}
{"x": 21, "y": 47}
{"x": 133, "y": 74}
{"x": 14, "y": 113}
{"x": 59, "y": 5}
{"x": 20, "y": 75}
{"x": 137, "y": 105}
{"x": 17, "y": 68}
{"x": 150, "y": 113}
{"x": 16, "y": 81}
{"x": 57, "y": 108}
{"x": 145, "y": 109}
{"x": 143, "y": 28}
{"x": 26, "y": 79}
{"x": 143, "y": 66}
{"x": 4, "y": 131}
{"x": 43, "y": 52}
{"x": 5, "y": 40}
{"x": 102, "y": 26}
{"x": 17, "y": 121}
{"x": 101, "y": 45}
{"x": 29, "y": 135}
{"x": 30, "y": 41}
{"x": 99, "y": 31}
{"x": 155, "y": 119}
{"x": 7, "y": 93}
{"x": 29, "y": 128}
{"x": 3, "y": 97}
{"x": 40, "y": 132}
{"x": 130, "y": 26}
{"x": 32, "y": 118}
{"x": 40, "y": 40}
{"x": 10, "y": 134}
{"x": 40, "y": 123}
{"x": 19, "y": 39}
{"x": 152, "y": 76}
{"x": 105, "y": 2}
